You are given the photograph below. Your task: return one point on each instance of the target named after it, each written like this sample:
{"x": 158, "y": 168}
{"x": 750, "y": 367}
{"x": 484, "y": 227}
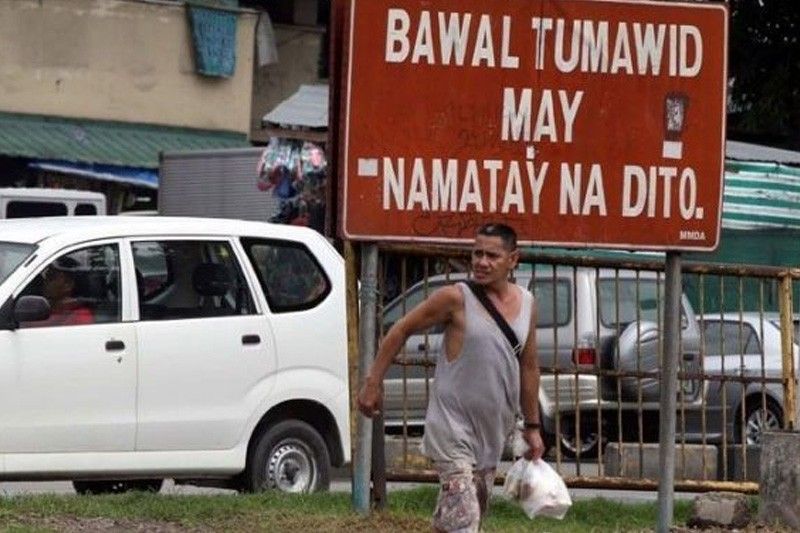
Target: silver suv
{"x": 588, "y": 319}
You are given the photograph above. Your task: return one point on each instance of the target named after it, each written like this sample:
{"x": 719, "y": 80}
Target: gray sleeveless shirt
{"x": 475, "y": 399}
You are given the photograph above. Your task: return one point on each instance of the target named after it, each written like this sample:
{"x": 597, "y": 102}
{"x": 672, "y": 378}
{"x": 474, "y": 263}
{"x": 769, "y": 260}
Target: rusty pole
{"x": 351, "y": 276}
{"x": 787, "y": 353}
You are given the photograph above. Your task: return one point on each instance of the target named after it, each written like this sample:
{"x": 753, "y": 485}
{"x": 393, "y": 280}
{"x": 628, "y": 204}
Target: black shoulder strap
{"x": 480, "y": 294}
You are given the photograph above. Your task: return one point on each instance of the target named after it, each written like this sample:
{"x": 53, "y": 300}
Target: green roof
{"x": 105, "y": 142}
{"x": 760, "y": 196}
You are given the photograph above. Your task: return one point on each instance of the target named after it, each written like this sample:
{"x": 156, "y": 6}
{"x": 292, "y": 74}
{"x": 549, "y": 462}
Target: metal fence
{"x": 599, "y": 343}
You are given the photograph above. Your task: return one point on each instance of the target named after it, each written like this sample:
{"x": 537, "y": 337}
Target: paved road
{"x": 341, "y": 483}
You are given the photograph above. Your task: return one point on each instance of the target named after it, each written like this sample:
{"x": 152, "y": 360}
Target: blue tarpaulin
{"x": 139, "y": 177}
{"x": 214, "y": 39}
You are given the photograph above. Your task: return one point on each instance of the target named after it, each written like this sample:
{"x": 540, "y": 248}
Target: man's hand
{"x": 370, "y": 399}
{"x": 535, "y": 444}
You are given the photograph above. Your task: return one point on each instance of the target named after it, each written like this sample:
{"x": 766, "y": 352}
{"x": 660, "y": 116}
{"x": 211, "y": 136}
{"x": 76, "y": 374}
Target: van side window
{"x": 82, "y": 287}
{"x": 20, "y": 209}
{"x": 290, "y": 276}
{"x": 85, "y": 209}
{"x": 189, "y": 279}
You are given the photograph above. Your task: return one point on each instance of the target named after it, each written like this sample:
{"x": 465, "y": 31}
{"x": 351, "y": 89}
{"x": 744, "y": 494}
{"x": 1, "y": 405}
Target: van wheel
{"x": 290, "y": 456}
{"x": 117, "y": 487}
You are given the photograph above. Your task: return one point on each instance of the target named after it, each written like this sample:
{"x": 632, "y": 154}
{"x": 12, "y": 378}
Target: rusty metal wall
{"x": 599, "y": 345}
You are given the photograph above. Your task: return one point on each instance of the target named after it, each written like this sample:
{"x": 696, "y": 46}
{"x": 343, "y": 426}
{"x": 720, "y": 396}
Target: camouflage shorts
{"x": 463, "y": 498}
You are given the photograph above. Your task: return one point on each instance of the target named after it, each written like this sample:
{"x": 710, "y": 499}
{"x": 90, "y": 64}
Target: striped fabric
{"x": 761, "y": 195}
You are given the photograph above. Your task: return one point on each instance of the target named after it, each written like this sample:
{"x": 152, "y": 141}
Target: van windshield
{"x": 12, "y": 255}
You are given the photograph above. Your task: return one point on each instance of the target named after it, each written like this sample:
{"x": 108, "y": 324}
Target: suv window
{"x": 795, "y": 329}
{"x": 647, "y": 304}
{"x": 290, "y": 276}
{"x": 726, "y": 335}
{"x": 85, "y": 209}
{"x": 23, "y": 209}
{"x": 553, "y": 302}
{"x": 82, "y": 287}
{"x": 397, "y": 309}
{"x": 189, "y": 279}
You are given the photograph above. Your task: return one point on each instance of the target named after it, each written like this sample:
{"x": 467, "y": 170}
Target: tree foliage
{"x": 764, "y": 66}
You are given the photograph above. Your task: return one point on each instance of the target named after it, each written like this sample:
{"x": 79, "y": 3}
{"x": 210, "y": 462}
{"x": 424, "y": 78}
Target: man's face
{"x": 491, "y": 260}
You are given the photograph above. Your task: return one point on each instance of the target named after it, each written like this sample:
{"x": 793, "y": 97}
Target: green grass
{"x": 408, "y": 511}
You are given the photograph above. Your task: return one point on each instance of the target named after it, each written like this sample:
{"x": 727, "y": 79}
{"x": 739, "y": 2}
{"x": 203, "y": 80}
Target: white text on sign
{"x": 461, "y": 39}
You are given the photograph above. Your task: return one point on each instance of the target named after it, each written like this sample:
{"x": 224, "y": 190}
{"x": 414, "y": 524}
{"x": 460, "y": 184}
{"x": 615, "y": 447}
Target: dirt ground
{"x": 753, "y": 528}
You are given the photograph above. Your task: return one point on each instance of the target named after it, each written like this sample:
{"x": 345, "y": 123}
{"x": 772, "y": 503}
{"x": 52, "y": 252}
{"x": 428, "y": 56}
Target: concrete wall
{"x": 299, "y": 49}
{"x": 125, "y": 60}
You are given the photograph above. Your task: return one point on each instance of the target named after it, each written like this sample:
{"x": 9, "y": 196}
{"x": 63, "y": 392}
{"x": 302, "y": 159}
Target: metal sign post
{"x": 366, "y": 326}
{"x": 669, "y": 391}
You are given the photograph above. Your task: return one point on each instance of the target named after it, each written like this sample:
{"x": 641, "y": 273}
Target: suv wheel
{"x": 290, "y": 456}
{"x": 759, "y": 420}
{"x": 589, "y": 440}
{"x": 117, "y": 486}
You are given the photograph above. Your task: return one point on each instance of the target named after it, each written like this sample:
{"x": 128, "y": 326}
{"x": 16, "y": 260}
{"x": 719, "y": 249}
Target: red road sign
{"x": 580, "y": 123}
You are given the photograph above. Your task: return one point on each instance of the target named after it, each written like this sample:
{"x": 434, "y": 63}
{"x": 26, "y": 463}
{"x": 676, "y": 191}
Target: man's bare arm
{"x": 438, "y": 308}
{"x": 529, "y": 373}
{"x": 529, "y": 393}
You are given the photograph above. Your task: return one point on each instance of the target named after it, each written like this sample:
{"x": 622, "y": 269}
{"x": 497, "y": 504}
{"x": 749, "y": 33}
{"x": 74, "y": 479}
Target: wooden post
{"x": 359, "y": 499}
{"x": 787, "y": 353}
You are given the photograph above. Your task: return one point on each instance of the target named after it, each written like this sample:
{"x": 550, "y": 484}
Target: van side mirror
{"x": 31, "y": 309}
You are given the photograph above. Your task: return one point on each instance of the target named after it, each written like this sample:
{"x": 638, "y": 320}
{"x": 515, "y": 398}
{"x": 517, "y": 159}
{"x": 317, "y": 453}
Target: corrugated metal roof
{"x": 111, "y": 143}
{"x": 761, "y": 195}
{"x": 756, "y": 152}
{"x": 308, "y": 107}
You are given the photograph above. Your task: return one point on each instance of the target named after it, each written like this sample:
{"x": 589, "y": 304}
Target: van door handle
{"x": 688, "y": 357}
{"x": 115, "y": 346}
{"x": 251, "y": 339}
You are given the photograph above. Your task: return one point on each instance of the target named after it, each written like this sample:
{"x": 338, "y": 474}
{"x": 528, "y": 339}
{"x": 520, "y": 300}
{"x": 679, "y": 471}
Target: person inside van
{"x": 59, "y": 285}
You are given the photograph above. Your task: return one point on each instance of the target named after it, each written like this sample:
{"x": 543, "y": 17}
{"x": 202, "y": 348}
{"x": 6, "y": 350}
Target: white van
{"x": 25, "y": 203}
{"x": 141, "y": 348}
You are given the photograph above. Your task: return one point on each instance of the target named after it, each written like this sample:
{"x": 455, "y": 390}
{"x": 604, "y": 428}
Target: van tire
{"x": 117, "y": 486}
{"x": 290, "y": 456}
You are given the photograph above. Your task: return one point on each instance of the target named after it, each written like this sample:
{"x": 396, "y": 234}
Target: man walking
{"x": 481, "y": 380}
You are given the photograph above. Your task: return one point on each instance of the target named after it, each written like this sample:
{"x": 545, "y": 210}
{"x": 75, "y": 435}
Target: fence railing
{"x": 599, "y": 344}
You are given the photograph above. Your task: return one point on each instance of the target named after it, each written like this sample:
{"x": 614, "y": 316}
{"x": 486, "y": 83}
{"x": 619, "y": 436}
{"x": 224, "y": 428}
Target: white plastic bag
{"x": 538, "y": 489}
{"x": 514, "y": 478}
